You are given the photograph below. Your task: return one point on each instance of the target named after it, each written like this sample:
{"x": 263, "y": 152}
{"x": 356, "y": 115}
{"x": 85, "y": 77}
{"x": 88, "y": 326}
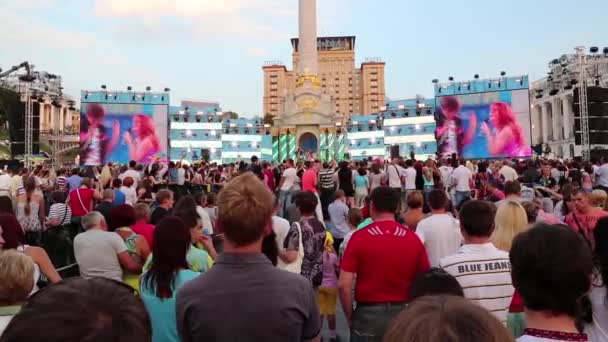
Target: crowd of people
{"x": 406, "y": 250}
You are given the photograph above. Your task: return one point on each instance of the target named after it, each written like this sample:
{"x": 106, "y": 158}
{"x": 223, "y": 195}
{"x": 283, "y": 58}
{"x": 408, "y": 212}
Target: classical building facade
{"x": 555, "y": 107}
{"x": 354, "y": 90}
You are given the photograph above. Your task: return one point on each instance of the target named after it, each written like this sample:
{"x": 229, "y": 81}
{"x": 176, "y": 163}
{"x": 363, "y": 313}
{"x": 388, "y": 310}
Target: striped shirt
{"x": 484, "y": 272}
{"x": 61, "y": 183}
{"x": 60, "y": 211}
{"x": 326, "y": 179}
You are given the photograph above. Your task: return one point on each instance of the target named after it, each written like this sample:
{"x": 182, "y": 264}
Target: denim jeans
{"x": 461, "y": 196}
{"x": 284, "y": 201}
{"x": 370, "y": 322}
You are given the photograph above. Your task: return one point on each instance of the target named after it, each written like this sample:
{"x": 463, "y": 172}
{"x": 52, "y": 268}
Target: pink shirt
{"x": 309, "y": 181}
{"x": 330, "y": 265}
{"x": 499, "y": 194}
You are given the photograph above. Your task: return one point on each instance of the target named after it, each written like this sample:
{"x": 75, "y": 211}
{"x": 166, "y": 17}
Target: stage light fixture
{"x": 148, "y": 88}
{"x": 435, "y": 81}
{"x": 451, "y": 79}
{"x": 103, "y": 86}
{"x": 129, "y": 88}
{"x": 594, "y": 49}
{"x": 503, "y": 73}
{"x": 476, "y": 76}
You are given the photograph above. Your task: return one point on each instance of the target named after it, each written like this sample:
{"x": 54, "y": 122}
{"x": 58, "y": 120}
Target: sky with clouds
{"x": 214, "y": 49}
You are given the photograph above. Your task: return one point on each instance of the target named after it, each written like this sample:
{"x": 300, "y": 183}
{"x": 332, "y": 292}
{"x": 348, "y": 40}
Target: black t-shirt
{"x": 104, "y": 208}
{"x": 158, "y": 214}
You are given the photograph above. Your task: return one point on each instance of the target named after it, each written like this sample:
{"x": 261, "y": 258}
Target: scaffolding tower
{"x": 583, "y": 104}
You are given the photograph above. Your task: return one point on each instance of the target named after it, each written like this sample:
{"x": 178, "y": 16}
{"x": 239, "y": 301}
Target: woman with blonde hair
{"x": 16, "y": 283}
{"x": 510, "y": 220}
{"x": 598, "y": 198}
{"x": 105, "y": 178}
{"x": 446, "y": 319}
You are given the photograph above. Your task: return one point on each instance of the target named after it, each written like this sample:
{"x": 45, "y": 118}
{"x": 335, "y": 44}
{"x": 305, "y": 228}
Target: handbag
{"x": 86, "y": 211}
{"x": 296, "y": 265}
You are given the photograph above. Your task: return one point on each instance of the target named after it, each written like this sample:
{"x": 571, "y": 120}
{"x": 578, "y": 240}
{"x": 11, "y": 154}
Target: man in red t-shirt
{"x": 585, "y": 217}
{"x": 309, "y": 183}
{"x": 386, "y": 257}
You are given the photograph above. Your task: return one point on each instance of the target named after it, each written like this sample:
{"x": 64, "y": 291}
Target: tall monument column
{"x": 307, "y": 49}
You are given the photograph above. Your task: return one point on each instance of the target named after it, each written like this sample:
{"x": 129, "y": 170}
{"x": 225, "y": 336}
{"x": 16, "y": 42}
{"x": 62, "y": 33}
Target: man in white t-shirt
{"x": 601, "y": 176}
{"x": 394, "y": 173}
{"x": 100, "y": 253}
{"x": 440, "y": 232}
{"x": 5, "y": 184}
{"x": 280, "y": 227}
{"x": 462, "y": 178}
{"x": 131, "y": 172}
{"x": 508, "y": 173}
{"x": 409, "y": 177}
{"x": 483, "y": 271}
{"x": 289, "y": 179}
{"x": 445, "y": 170}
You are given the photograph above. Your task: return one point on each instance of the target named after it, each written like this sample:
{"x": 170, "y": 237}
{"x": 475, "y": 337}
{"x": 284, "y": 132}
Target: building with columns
{"x": 555, "y": 109}
{"x": 63, "y": 113}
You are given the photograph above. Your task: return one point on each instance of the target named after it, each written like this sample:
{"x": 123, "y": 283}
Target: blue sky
{"x": 214, "y": 49}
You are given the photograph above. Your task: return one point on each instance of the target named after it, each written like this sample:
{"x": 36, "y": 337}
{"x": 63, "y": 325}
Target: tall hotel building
{"x": 355, "y": 91}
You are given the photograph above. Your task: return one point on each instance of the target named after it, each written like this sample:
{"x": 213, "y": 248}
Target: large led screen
{"x": 122, "y": 132}
{"x": 484, "y": 125}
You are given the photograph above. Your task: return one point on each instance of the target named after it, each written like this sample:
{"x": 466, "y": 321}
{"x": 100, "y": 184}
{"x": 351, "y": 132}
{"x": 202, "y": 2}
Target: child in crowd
{"x": 328, "y": 292}
{"x": 355, "y": 217}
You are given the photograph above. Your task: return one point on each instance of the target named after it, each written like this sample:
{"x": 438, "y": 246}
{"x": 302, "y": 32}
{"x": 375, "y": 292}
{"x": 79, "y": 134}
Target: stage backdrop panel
{"x": 484, "y": 125}
{"x": 112, "y": 132}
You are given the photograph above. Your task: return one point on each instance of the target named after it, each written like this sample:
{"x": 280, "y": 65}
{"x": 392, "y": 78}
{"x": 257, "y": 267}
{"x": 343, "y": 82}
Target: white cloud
{"x": 200, "y": 19}
{"x": 257, "y": 52}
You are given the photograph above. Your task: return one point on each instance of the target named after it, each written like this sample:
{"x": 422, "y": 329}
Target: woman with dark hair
{"x": 13, "y": 238}
{"x": 481, "y": 179}
{"x": 30, "y": 211}
{"x": 419, "y": 178}
{"x": 168, "y": 272}
{"x": 80, "y": 309}
{"x": 598, "y": 330}
{"x": 566, "y": 205}
{"x": 345, "y": 182}
{"x": 123, "y": 217}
